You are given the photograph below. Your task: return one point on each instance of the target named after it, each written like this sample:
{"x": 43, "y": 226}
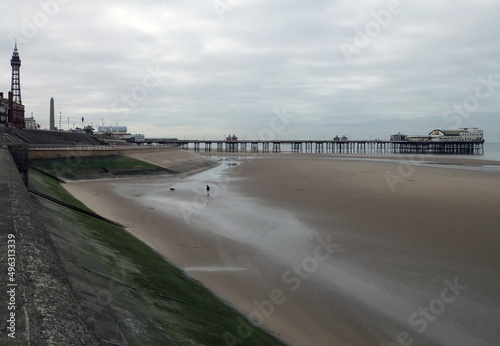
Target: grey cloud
{"x": 229, "y": 75}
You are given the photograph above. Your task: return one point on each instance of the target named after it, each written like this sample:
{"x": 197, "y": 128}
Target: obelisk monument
{"x": 52, "y": 126}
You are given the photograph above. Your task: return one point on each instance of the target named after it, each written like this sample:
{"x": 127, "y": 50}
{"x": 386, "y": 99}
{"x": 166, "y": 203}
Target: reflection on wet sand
{"x": 328, "y": 251}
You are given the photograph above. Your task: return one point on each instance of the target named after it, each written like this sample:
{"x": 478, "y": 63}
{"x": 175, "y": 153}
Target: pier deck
{"x": 327, "y": 146}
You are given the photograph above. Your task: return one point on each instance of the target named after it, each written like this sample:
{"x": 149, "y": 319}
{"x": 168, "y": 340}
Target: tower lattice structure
{"x": 15, "y": 62}
{"x": 15, "y": 116}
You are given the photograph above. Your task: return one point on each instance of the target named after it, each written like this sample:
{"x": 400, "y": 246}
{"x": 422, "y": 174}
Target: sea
{"x": 491, "y": 153}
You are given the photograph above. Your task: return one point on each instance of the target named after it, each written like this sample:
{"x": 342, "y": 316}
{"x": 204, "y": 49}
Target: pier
{"x": 326, "y": 146}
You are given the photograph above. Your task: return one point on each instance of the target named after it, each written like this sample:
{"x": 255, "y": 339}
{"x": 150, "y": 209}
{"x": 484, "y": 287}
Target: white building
{"x": 471, "y": 134}
{"x": 30, "y": 123}
{"x": 116, "y": 131}
{"x": 466, "y": 134}
{"x": 112, "y": 129}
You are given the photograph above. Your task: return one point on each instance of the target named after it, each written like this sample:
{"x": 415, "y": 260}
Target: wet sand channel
{"x": 329, "y": 252}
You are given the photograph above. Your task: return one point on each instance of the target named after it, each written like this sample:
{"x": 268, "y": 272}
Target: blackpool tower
{"x": 16, "y": 108}
{"x": 15, "y": 62}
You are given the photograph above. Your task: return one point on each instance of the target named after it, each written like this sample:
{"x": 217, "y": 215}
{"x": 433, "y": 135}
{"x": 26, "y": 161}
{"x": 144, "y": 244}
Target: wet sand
{"x": 330, "y": 252}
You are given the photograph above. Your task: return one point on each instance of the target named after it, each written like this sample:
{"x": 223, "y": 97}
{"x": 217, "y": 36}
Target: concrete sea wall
{"x": 73, "y": 280}
{"x": 37, "y": 304}
{"x": 173, "y": 159}
{"x": 89, "y": 151}
{"x": 62, "y": 286}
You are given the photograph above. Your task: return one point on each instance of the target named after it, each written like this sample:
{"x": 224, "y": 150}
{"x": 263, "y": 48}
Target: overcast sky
{"x": 286, "y": 69}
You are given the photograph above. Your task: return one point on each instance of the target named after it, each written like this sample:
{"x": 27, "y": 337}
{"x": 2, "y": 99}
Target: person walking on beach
{"x": 208, "y": 190}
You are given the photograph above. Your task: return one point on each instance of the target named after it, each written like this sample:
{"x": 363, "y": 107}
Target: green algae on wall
{"x": 128, "y": 292}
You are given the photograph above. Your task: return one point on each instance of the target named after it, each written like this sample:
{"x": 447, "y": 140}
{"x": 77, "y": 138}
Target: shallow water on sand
{"x": 223, "y": 212}
{"x": 310, "y": 266}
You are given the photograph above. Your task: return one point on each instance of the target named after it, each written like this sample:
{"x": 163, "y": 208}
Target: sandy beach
{"x": 326, "y": 251}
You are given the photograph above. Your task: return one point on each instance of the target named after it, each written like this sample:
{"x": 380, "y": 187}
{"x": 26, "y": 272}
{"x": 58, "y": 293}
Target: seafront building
{"x": 4, "y": 110}
{"x": 31, "y": 123}
{"x": 465, "y": 134}
{"x": 120, "y": 132}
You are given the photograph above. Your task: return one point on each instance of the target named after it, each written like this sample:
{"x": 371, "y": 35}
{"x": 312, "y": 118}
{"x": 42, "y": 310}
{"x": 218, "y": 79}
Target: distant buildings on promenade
{"x": 12, "y": 110}
{"x": 30, "y": 123}
{"x": 119, "y": 132}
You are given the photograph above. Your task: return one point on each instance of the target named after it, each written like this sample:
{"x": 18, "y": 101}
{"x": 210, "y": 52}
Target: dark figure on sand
{"x": 208, "y": 190}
